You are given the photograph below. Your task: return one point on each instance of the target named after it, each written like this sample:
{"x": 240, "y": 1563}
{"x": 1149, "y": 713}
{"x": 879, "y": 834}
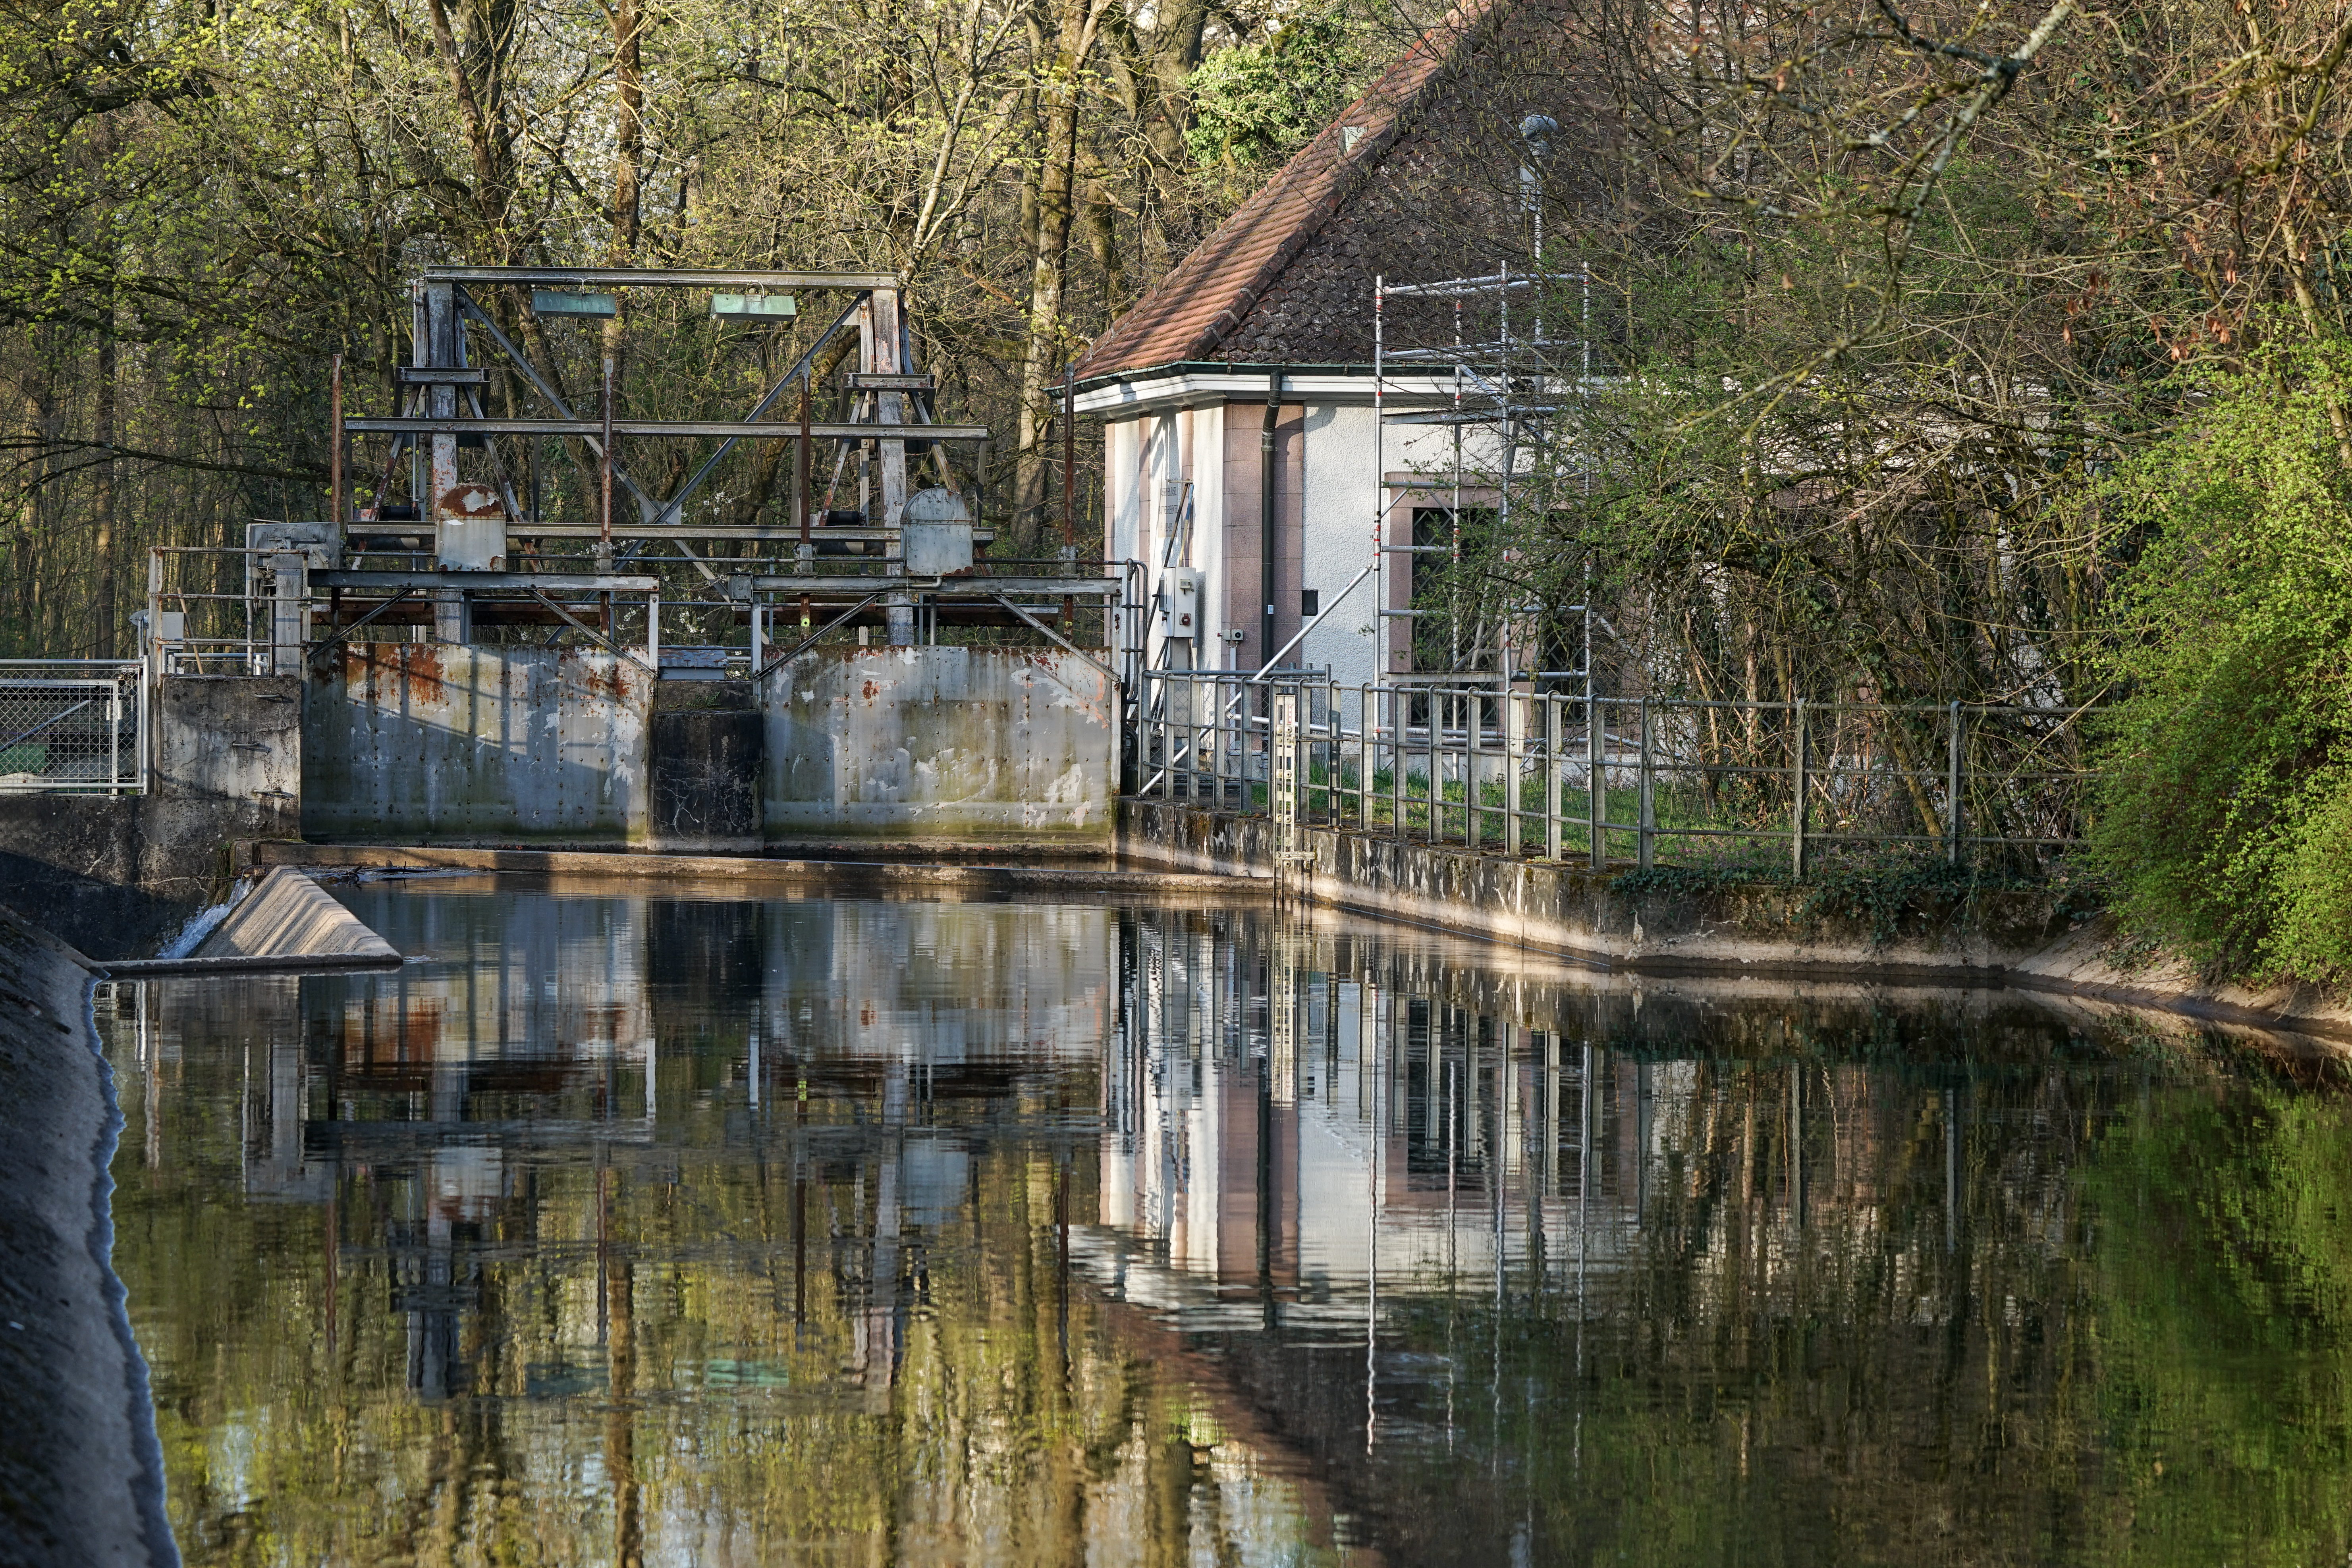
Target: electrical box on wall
{"x": 1179, "y": 603}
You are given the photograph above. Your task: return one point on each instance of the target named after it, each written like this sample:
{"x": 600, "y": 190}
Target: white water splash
{"x": 200, "y": 926}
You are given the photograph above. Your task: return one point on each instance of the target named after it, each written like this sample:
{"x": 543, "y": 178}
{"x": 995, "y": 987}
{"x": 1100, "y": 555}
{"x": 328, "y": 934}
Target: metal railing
{"x": 1609, "y": 780}
{"x": 229, "y": 610}
{"x": 72, "y": 726}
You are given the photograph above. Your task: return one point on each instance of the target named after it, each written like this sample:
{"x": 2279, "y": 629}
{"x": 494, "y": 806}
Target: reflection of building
{"x": 1247, "y": 1142}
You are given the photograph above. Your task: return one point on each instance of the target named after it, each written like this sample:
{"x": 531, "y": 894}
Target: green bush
{"x": 1256, "y": 103}
{"x": 2224, "y": 819}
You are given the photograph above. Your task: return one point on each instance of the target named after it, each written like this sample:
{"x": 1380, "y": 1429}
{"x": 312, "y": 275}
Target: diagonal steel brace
{"x": 607, "y": 644}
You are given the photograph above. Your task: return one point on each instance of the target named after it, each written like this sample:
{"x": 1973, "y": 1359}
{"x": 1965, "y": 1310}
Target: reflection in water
{"x": 674, "y": 1230}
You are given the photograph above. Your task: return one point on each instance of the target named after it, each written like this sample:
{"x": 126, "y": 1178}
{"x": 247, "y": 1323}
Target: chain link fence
{"x": 72, "y": 726}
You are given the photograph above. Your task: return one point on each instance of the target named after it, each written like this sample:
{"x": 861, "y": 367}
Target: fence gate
{"x": 72, "y": 726}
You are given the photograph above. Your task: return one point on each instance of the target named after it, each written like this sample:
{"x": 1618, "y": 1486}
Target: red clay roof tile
{"x": 1200, "y": 308}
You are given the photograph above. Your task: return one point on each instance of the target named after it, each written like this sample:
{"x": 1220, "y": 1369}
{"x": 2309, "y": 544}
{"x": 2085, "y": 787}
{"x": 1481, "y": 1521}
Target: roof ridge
{"x": 1402, "y": 87}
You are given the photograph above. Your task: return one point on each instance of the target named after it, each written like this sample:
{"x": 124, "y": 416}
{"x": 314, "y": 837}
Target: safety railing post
{"x": 1167, "y": 742}
{"x": 1305, "y": 695}
{"x": 1800, "y": 782}
{"x": 1316, "y": 739}
{"x": 1194, "y": 740}
{"x": 1430, "y": 786}
{"x": 1399, "y": 709}
{"x": 1214, "y": 737}
{"x": 1335, "y": 750}
{"x": 1649, "y": 818}
{"x": 1555, "y": 773}
{"x": 1596, "y": 779}
{"x": 1474, "y": 759}
{"x": 1515, "y": 752}
{"x": 1953, "y": 823}
{"x": 1366, "y": 755}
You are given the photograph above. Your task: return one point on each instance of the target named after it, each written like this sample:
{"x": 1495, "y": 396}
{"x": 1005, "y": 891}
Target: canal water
{"x": 628, "y": 1230}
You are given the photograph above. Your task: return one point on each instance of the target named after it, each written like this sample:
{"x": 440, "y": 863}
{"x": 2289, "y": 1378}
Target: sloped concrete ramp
{"x": 288, "y": 922}
{"x": 291, "y": 916}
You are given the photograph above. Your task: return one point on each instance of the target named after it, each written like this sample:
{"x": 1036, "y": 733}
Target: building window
{"x": 1310, "y": 602}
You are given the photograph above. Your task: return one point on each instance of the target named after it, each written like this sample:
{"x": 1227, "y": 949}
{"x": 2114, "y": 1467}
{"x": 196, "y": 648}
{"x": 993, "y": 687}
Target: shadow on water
{"x": 675, "y": 1229}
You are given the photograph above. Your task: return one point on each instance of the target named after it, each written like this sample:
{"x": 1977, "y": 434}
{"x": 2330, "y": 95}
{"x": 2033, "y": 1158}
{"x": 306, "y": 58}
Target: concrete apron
{"x": 754, "y": 877}
{"x": 1574, "y": 913}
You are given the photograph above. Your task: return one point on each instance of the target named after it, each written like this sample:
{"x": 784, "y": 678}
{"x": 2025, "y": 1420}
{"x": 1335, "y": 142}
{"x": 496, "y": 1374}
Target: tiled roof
{"x": 1201, "y": 307}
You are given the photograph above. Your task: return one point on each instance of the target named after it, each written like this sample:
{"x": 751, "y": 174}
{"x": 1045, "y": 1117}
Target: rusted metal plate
{"x": 454, "y": 743}
{"x": 1004, "y": 744}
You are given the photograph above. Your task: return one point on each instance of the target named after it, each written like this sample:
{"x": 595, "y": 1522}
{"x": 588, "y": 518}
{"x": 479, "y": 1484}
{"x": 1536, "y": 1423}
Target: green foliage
{"x": 1255, "y": 103}
{"x": 2226, "y": 801}
{"x": 1887, "y": 892}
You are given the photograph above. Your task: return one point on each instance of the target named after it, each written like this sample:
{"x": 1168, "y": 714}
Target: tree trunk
{"x": 628, "y": 154}
{"x": 102, "y": 505}
{"x": 1041, "y": 363}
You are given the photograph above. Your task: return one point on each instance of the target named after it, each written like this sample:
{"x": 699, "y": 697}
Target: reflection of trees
{"x": 1818, "y": 1282}
{"x": 529, "y": 1306}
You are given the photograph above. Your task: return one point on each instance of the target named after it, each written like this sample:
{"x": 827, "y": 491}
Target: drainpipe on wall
{"x": 1266, "y": 543}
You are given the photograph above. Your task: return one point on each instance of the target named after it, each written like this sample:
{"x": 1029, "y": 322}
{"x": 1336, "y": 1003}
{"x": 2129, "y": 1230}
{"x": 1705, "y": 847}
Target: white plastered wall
{"x": 1342, "y": 485}
{"x": 1161, "y": 477}
{"x": 1207, "y": 450}
{"x": 1122, "y": 492}
{"x": 1148, "y": 462}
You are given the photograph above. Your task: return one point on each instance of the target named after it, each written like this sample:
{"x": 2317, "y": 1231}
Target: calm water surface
{"x": 671, "y": 1230}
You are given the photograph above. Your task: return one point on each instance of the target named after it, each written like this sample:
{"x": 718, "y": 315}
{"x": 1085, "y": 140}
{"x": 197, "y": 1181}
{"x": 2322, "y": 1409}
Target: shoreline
{"x": 1565, "y": 913}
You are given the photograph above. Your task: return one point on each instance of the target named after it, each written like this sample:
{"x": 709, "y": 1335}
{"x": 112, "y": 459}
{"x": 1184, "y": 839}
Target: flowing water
{"x": 634, "y": 1230}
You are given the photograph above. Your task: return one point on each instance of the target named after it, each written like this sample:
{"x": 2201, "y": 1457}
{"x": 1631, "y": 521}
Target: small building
{"x": 1244, "y": 455}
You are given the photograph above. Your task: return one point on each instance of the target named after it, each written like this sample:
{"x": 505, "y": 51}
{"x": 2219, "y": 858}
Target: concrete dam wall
{"x": 454, "y": 742}
{"x": 1003, "y": 745}
{"x": 424, "y": 742}
{"x": 115, "y": 875}
{"x": 560, "y": 748}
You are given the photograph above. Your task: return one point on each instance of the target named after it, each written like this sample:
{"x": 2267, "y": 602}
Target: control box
{"x": 1179, "y": 603}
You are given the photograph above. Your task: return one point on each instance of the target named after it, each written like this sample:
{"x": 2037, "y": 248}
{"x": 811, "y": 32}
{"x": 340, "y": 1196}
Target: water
{"x": 692, "y": 1231}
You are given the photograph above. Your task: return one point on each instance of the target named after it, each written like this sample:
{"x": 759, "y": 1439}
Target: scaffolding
{"x": 1508, "y": 386}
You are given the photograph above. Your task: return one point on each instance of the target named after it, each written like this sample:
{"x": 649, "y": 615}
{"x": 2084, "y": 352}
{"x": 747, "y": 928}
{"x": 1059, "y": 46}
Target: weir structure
{"x": 555, "y": 604}
{"x": 452, "y": 541}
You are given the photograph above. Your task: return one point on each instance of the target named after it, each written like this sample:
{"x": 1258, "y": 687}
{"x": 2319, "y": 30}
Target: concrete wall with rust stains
{"x": 1004, "y": 746}
{"x": 455, "y": 745}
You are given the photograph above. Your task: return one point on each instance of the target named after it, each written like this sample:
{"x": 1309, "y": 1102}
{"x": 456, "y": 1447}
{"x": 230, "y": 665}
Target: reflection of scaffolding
{"x": 1509, "y": 387}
